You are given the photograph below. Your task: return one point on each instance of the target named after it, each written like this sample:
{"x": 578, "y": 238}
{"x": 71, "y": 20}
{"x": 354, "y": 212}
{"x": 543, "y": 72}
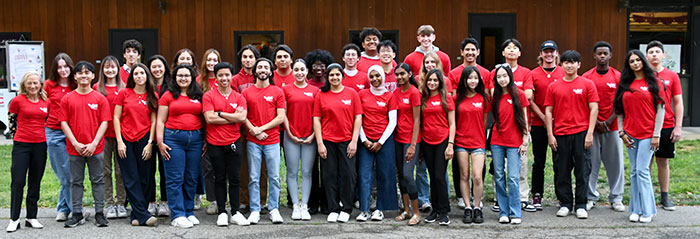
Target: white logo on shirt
{"x": 233, "y": 105}
{"x": 195, "y": 101}
{"x": 346, "y": 102}
{"x": 611, "y": 85}
{"x": 143, "y": 102}
{"x": 309, "y": 94}
{"x": 477, "y": 105}
{"x": 519, "y": 83}
{"x": 405, "y": 100}
{"x": 43, "y": 109}
{"x": 381, "y": 104}
{"x": 92, "y": 106}
{"x": 644, "y": 88}
{"x": 116, "y": 93}
{"x": 360, "y": 86}
{"x": 435, "y": 103}
{"x": 578, "y": 91}
{"x": 667, "y": 82}
{"x": 268, "y": 98}
{"x": 510, "y": 101}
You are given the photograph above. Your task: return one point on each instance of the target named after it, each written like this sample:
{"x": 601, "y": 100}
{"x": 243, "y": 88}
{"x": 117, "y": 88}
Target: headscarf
{"x": 382, "y": 87}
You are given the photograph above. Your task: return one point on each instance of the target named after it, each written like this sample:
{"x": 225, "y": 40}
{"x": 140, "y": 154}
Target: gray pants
{"x": 524, "y": 182}
{"x": 77, "y": 173}
{"x": 292, "y": 154}
{"x": 110, "y": 157}
{"x": 607, "y": 147}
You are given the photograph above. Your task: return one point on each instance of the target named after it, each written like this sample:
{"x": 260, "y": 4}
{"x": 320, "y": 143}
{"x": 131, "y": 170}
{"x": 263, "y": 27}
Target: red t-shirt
{"x": 112, "y": 93}
{"x": 521, "y": 77}
{"x": 300, "y": 104}
{"x": 223, "y": 134}
{"x": 84, "y": 114}
{"x": 318, "y": 84}
{"x": 390, "y": 80}
{"x": 606, "y": 85}
{"x": 213, "y": 84}
{"x": 281, "y": 81}
{"x": 30, "y": 119}
{"x": 673, "y": 88}
{"x": 183, "y": 113}
{"x": 357, "y": 82}
{"x": 456, "y": 73}
{"x": 471, "y": 133}
{"x": 436, "y": 127}
{"x": 507, "y": 132}
{"x": 415, "y": 61}
{"x": 54, "y": 93}
{"x": 541, "y": 80}
{"x": 404, "y": 116}
{"x": 262, "y": 108}
{"x": 569, "y": 101}
{"x": 640, "y": 110}
{"x": 135, "y": 120}
{"x": 242, "y": 81}
{"x": 375, "y": 110}
{"x": 337, "y": 112}
{"x": 365, "y": 63}
{"x": 123, "y": 74}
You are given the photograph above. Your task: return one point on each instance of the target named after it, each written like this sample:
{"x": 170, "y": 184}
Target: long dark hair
{"x": 150, "y": 86}
{"x": 463, "y": 87}
{"x": 407, "y": 68}
{"x": 327, "y": 86}
{"x": 517, "y": 105}
{"x": 194, "y": 91}
{"x": 102, "y": 78}
{"x": 442, "y": 90}
{"x": 53, "y": 74}
{"x": 167, "y": 79}
{"x": 627, "y": 77}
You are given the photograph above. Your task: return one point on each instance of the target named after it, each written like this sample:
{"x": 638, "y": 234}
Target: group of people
{"x": 369, "y": 122}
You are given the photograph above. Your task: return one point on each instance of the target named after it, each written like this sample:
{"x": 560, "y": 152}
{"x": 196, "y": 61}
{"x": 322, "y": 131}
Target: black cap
{"x": 549, "y": 44}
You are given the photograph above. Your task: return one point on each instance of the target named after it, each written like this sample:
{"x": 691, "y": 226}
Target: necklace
{"x": 224, "y": 95}
{"x": 549, "y": 74}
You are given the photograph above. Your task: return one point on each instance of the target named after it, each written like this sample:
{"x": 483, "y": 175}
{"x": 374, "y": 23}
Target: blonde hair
{"x": 25, "y": 78}
{"x": 424, "y": 72}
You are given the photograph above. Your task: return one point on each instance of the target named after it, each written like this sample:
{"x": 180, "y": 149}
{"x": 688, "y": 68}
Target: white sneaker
{"x": 377, "y": 215}
{"x": 121, "y": 212}
{"x": 332, "y": 217}
{"x": 197, "y": 202}
{"x": 516, "y": 220}
{"x": 581, "y": 213}
{"x": 634, "y": 217}
{"x": 181, "y": 222}
{"x": 13, "y": 226}
{"x": 163, "y": 210}
{"x": 503, "y": 219}
{"x": 343, "y": 217}
{"x": 152, "y": 209}
{"x": 275, "y": 216}
{"x": 239, "y": 219}
{"x": 61, "y": 217}
{"x": 296, "y": 212}
{"x": 563, "y": 212}
{"x": 363, "y": 217}
{"x": 618, "y": 207}
{"x": 222, "y": 220}
{"x": 254, "y": 217}
{"x": 212, "y": 209}
{"x": 111, "y": 212}
{"x": 460, "y": 203}
{"x": 193, "y": 220}
{"x": 305, "y": 212}
{"x": 644, "y": 219}
{"x": 590, "y": 205}
{"x": 33, "y": 223}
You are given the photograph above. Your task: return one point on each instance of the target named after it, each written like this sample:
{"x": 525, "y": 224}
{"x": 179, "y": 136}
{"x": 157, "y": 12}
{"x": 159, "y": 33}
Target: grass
{"x": 685, "y": 179}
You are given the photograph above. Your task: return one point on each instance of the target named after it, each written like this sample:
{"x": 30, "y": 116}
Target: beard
{"x": 262, "y": 76}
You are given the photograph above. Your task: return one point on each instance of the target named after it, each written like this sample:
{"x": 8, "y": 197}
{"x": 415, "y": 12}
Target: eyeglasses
{"x": 183, "y": 76}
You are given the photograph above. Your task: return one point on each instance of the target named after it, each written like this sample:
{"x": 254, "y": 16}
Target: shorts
{"x": 473, "y": 151}
{"x": 667, "y": 148}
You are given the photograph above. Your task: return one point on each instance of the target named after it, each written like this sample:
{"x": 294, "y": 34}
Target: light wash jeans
{"x": 56, "y": 145}
{"x": 272, "y": 160}
{"x": 642, "y": 200}
{"x": 508, "y": 201}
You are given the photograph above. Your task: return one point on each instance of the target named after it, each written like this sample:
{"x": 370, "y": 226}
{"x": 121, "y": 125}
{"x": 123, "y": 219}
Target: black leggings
{"x": 437, "y": 167}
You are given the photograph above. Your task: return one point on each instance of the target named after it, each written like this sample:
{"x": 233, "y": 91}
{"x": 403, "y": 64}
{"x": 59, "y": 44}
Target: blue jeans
{"x": 642, "y": 200}
{"x": 423, "y": 183}
{"x": 508, "y": 201}
{"x": 386, "y": 176}
{"x": 56, "y": 145}
{"x": 272, "y": 160}
{"x": 182, "y": 171}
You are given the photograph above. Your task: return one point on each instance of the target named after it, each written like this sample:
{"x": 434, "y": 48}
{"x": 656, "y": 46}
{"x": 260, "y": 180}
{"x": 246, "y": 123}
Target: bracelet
{"x": 150, "y": 141}
{"x": 450, "y": 142}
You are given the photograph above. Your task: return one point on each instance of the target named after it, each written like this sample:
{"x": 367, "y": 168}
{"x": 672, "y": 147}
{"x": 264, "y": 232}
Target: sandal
{"x": 415, "y": 219}
{"x": 402, "y": 217}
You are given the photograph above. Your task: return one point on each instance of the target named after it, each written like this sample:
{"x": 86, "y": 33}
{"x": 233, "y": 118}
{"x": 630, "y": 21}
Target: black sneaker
{"x": 75, "y": 220}
{"x": 478, "y": 216}
{"x": 667, "y": 205}
{"x": 528, "y": 207}
{"x": 432, "y": 217}
{"x": 100, "y": 220}
{"x": 496, "y": 208}
{"x": 468, "y": 216}
{"x": 444, "y": 219}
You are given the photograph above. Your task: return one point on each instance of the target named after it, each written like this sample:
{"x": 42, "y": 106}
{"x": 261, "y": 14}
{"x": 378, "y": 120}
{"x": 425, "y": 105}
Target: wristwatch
{"x": 219, "y": 114}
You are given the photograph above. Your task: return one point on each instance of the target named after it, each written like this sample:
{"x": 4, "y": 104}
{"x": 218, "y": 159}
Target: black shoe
{"x": 432, "y": 217}
{"x": 496, "y": 208}
{"x": 313, "y": 210}
{"x": 478, "y": 216}
{"x": 325, "y": 211}
{"x": 444, "y": 219}
{"x": 528, "y": 207}
{"x": 468, "y": 217}
{"x": 100, "y": 220}
{"x": 667, "y": 205}
{"x": 75, "y": 220}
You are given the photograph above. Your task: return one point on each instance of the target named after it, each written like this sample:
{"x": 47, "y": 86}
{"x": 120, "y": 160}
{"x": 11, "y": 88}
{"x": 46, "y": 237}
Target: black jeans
{"x": 571, "y": 154}
{"x": 437, "y": 166}
{"x": 539, "y": 150}
{"x": 227, "y": 169}
{"x": 135, "y": 173}
{"x": 26, "y": 157}
{"x": 339, "y": 176}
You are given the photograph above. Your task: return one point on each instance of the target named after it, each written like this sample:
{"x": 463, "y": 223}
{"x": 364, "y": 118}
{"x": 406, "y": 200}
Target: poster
{"x": 23, "y": 57}
{"x": 673, "y": 56}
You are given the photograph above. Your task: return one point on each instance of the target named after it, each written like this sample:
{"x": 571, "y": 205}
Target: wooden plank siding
{"x": 80, "y": 27}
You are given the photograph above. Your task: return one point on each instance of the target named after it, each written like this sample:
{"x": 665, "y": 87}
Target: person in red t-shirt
{"x": 317, "y": 61}
{"x": 283, "y": 62}
{"x": 161, "y": 80}
{"x": 299, "y": 139}
{"x": 407, "y": 140}
{"x": 266, "y": 111}
{"x": 671, "y": 132}
{"x": 84, "y": 116}
{"x": 472, "y": 104}
{"x": 355, "y": 79}
{"x": 509, "y": 139}
{"x": 470, "y": 52}
{"x": 136, "y": 106}
{"x": 109, "y": 84}
{"x": 27, "y": 113}
{"x": 210, "y": 59}
{"x": 224, "y": 111}
{"x": 571, "y": 110}
{"x": 607, "y": 146}
{"x": 131, "y": 51}
{"x": 426, "y": 37}
{"x": 432, "y": 61}
{"x": 639, "y": 105}
{"x": 438, "y": 114}
{"x": 337, "y": 118}
{"x": 387, "y": 52}
{"x": 379, "y": 120}
{"x": 180, "y": 141}
{"x": 370, "y": 38}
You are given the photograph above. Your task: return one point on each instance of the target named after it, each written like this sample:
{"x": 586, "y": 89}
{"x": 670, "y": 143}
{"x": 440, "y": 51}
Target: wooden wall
{"x": 80, "y": 27}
